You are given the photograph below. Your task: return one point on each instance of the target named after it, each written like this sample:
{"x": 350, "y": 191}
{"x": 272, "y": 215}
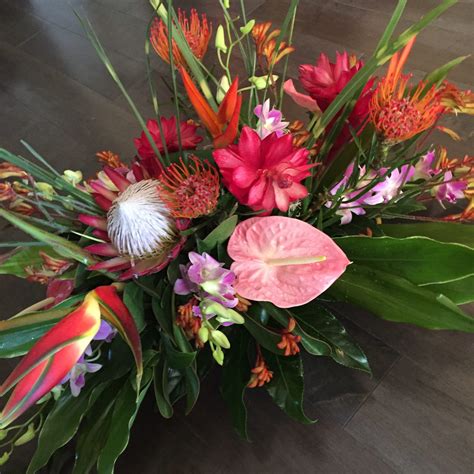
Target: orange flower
{"x": 109, "y": 158}
{"x": 289, "y": 342}
{"x": 456, "y": 100}
{"x": 190, "y": 323}
{"x": 260, "y": 374}
{"x": 266, "y": 44}
{"x": 190, "y": 191}
{"x": 223, "y": 125}
{"x": 196, "y": 31}
{"x": 399, "y": 114}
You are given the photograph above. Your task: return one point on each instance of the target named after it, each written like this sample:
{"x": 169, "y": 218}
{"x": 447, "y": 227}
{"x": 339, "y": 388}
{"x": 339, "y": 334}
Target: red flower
{"x": 324, "y": 81}
{"x": 189, "y": 137}
{"x": 264, "y": 174}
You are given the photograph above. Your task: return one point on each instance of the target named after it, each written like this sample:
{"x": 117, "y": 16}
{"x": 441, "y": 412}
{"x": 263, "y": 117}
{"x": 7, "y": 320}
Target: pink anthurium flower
{"x": 283, "y": 260}
{"x": 53, "y": 356}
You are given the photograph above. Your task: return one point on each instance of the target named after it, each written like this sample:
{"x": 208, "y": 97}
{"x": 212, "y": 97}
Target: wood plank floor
{"x": 415, "y": 415}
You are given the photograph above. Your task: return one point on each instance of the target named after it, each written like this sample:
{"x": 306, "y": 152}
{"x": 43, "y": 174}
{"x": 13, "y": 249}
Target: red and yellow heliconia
{"x": 56, "y": 353}
{"x": 223, "y": 125}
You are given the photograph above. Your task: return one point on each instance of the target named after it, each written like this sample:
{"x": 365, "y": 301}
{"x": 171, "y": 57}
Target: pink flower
{"x": 450, "y": 190}
{"x": 189, "y": 138}
{"x": 424, "y": 168}
{"x": 325, "y": 80}
{"x": 391, "y": 186}
{"x": 283, "y": 260}
{"x": 264, "y": 174}
{"x": 269, "y": 120}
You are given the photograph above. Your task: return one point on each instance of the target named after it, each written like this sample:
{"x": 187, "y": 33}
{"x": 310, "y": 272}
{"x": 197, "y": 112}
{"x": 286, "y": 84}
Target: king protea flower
{"x": 197, "y": 32}
{"x": 223, "y": 125}
{"x": 139, "y": 234}
{"x": 56, "y": 353}
{"x": 397, "y": 113}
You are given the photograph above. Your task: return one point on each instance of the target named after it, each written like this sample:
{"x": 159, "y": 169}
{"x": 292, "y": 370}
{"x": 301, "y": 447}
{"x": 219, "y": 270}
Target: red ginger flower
{"x": 189, "y": 138}
{"x": 196, "y": 31}
{"x": 325, "y": 80}
{"x": 264, "y": 174}
{"x": 190, "y": 191}
{"x": 399, "y": 114}
{"x": 223, "y": 125}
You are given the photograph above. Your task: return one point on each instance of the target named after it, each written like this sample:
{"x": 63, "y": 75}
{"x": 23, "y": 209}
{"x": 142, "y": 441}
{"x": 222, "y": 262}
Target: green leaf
{"x": 219, "y": 235}
{"x": 396, "y": 299}
{"x": 459, "y": 291}
{"x": 161, "y": 386}
{"x": 177, "y": 359}
{"x": 193, "y": 385}
{"x": 311, "y": 341}
{"x": 61, "y": 245}
{"x": 418, "y": 259}
{"x": 62, "y": 424}
{"x": 319, "y": 322}
{"x": 124, "y": 414}
{"x": 441, "y": 231}
{"x": 235, "y": 377}
{"x": 436, "y": 77}
{"x": 266, "y": 337}
{"x": 287, "y": 385}
{"x": 19, "y": 334}
{"x": 15, "y": 262}
{"x": 133, "y": 299}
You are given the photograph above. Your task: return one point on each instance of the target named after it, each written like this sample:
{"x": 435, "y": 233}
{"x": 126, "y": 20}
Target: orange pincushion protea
{"x": 190, "y": 191}
{"x": 197, "y": 32}
{"x": 397, "y": 113}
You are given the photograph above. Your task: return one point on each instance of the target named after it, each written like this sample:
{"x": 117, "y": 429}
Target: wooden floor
{"x": 415, "y": 414}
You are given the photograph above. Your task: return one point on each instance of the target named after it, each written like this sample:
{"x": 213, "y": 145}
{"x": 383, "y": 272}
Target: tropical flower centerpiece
{"x": 229, "y": 238}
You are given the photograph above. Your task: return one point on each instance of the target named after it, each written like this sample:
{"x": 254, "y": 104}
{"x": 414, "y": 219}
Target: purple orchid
{"x": 450, "y": 190}
{"x": 76, "y": 376}
{"x": 269, "y": 120}
{"x": 424, "y": 169}
{"x": 390, "y": 187}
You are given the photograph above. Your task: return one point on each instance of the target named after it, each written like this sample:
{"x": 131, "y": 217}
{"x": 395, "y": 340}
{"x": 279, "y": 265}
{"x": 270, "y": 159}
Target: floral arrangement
{"x": 230, "y": 237}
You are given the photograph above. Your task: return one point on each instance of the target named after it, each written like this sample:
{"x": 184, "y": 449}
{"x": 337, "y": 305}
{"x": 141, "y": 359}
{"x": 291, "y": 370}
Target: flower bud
{"x": 27, "y": 436}
{"x": 224, "y": 86}
{"x": 220, "y": 39}
{"x": 73, "y": 177}
{"x": 203, "y": 334}
{"x": 6, "y": 455}
{"x": 3, "y": 434}
{"x": 224, "y": 315}
{"x": 226, "y": 3}
{"x": 246, "y": 29}
{"x": 218, "y": 355}
{"x": 260, "y": 82}
{"x": 46, "y": 190}
{"x": 220, "y": 339}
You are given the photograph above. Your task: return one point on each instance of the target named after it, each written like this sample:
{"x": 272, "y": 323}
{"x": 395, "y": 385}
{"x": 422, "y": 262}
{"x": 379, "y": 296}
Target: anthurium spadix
{"x": 56, "y": 353}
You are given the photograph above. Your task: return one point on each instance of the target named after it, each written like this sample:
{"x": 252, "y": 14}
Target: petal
{"x": 258, "y": 242}
{"x": 300, "y": 99}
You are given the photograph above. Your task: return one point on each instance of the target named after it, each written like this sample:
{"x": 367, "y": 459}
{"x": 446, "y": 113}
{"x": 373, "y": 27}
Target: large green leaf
{"x": 396, "y": 299}
{"x": 219, "y": 235}
{"x": 19, "y": 334}
{"x": 265, "y": 336}
{"x": 312, "y": 342}
{"x": 420, "y": 260}
{"x": 441, "y": 231}
{"x": 124, "y": 414}
{"x": 17, "y": 260}
{"x": 177, "y": 359}
{"x": 61, "y": 245}
{"x": 319, "y": 322}
{"x": 287, "y": 387}
{"x": 235, "y": 377}
{"x": 161, "y": 386}
{"x": 133, "y": 299}
{"x": 459, "y": 291}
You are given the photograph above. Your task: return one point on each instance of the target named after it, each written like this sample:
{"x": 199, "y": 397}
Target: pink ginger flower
{"x": 264, "y": 174}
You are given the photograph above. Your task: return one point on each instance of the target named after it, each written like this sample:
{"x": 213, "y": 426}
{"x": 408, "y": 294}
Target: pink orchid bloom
{"x": 283, "y": 260}
{"x": 450, "y": 190}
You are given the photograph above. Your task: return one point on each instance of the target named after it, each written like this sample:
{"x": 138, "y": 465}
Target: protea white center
{"x": 139, "y": 223}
